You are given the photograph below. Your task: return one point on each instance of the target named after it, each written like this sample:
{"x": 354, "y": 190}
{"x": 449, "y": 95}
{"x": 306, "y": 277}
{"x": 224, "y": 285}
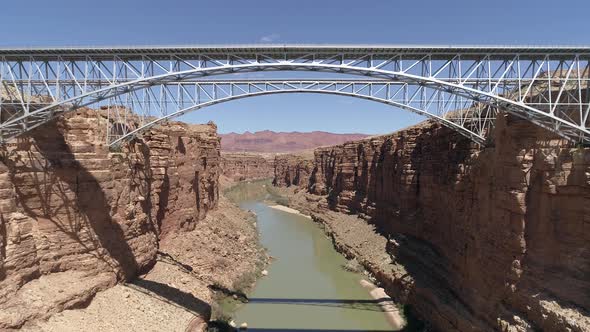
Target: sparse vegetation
{"x": 220, "y": 326}
{"x": 219, "y": 314}
{"x": 227, "y": 300}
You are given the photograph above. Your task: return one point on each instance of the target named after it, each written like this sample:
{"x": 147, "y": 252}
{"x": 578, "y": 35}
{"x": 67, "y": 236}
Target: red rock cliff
{"x": 72, "y": 210}
{"x": 247, "y": 166}
{"x": 292, "y": 170}
{"x": 481, "y": 239}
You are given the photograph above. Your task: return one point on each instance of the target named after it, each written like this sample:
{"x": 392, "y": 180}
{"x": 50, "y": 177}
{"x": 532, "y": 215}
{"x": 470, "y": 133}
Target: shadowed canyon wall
{"x": 485, "y": 239}
{"x": 292, "y": 170}
{"x": 72, "y": 210}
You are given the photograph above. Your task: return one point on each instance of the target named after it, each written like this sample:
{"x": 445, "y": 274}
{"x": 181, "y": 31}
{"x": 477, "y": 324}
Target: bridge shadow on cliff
{"x": 171, "y": 295}
{"x": 69, "y": 196}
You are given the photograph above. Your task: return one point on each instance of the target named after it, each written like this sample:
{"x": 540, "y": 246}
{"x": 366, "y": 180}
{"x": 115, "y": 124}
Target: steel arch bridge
{"x": 461, "y": 87}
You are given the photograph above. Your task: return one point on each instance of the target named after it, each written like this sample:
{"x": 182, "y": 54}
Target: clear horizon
{"x": 292, "y": 132}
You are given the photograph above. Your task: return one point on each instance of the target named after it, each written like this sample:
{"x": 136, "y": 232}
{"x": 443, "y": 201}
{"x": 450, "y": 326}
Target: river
{"x": 306, "y": 288}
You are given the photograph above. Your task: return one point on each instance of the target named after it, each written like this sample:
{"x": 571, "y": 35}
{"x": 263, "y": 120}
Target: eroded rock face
{"x": 481, "y": 239}
{"x": 292, "y": 170}
{"x": 247, "y": 166}
{"x": 72, "y": 209}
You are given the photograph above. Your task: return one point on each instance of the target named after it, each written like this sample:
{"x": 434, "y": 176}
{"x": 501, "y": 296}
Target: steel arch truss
{"x": 154, "y": 104}
{"x": 548, "y": 86}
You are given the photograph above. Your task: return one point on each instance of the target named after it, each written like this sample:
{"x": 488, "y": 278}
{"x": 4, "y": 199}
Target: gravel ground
{"x": 174, "y": 295}
{"x": 151, "y": 303}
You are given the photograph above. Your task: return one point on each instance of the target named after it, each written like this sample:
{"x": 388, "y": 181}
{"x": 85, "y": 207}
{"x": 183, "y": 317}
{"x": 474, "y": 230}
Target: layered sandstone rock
{"x": 481, "y": 239}
{"x": 247, "y": 166}
{"x": 291, "y": 170}
{"x": 175, "y": 294}
{"x": 73, "y": 211}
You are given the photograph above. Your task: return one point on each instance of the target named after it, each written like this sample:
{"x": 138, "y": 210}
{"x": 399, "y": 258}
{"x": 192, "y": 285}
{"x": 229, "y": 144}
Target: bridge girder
{"x": 165, "y": 101}
{"x": 548, "y": 86}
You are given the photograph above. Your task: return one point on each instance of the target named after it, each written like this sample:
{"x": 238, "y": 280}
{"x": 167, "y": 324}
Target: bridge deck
{"x": 222, "y": 51}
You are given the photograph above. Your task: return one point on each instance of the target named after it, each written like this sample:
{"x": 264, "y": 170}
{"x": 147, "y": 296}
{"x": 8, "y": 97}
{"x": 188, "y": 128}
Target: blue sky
{"x": 172, "y": 22}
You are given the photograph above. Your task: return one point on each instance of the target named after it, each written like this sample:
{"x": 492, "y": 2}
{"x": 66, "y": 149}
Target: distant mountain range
{"x": 277, "y": 142}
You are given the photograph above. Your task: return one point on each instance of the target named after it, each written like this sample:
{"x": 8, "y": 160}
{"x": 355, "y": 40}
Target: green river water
{"x": 306, "y": 288}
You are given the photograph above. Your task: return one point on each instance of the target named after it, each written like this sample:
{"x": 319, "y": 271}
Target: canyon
{"x": 470, "y": 238}
{"x": 78, "y": 219}
{"x": 467, "y": 237}
{"x": 251, "y": 156}
{"x": 247, "y": 166}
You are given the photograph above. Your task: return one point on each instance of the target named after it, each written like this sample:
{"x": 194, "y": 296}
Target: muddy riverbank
{"x": 308, "y": 286}
{"x": 357, "y": 240}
